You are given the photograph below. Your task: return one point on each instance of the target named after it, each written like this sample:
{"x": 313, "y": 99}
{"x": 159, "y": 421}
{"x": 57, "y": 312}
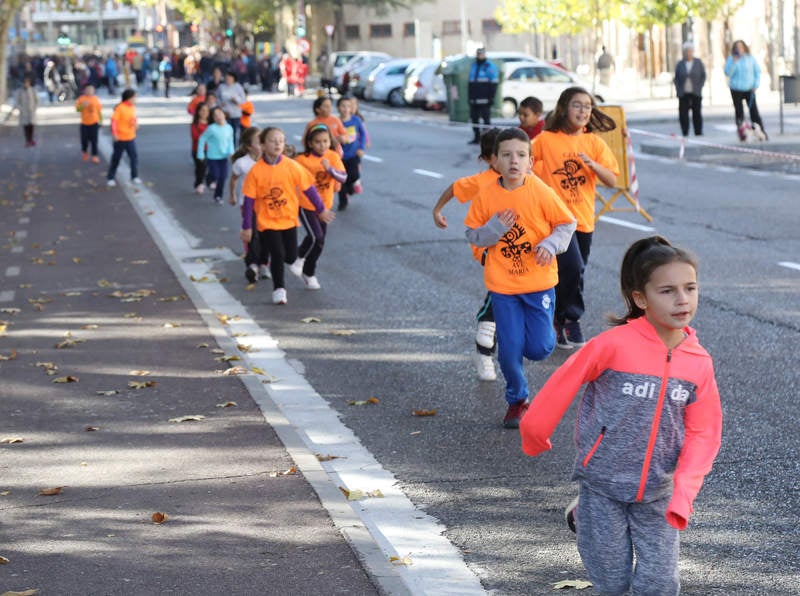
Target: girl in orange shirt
{"x": 271, "y": 192}
{"x": 327, "y": 168}
{"x": 323, "y": 107}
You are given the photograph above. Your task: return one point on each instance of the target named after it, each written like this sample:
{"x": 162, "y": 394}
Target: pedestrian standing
{"x": 216, "y": 146}
{"x": 26, "y": 102}
{"x": 352, "y": 150}
{"x": 744, "y": 77}
{"x": 327, "y": 169}
{"x": 649, "y": 425}
{"x": 465, "y": 189}
{"x": 571, "y": 160}
{"x": 165, "y": 70}
{"x": 91, "y": 111}
{"x": 605, "y": 64}
{"x": 481, "y": 89}
{"x": 200, "y": 122}
{"x": 123, "y": 133}
{"x": 231, "y": 97}
{"x": 690, "y": 76}
{"x": 112, "y": 72}
{"x": 523, "y": 225}
{"x": 271, "y": 192}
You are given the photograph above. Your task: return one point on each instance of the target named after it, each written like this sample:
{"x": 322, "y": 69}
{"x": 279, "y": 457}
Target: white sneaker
{"x": 484, "y": 336}
{"x": 485, "y": 367}
{"x": 279, "y": 296}
{"x": 200, "y": 189}
{"x": 312, "y": 283}
{"x": 137, "y": 180}
{"x": 111, "y": 183}
{"x": 264, "y": 272}
{"x": 297, "y": 267}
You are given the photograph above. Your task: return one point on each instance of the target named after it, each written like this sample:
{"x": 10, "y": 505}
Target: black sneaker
{"x": 514, "y": 414}
{"x": 561, "y": 338}
{"x": 251, "y": 275}
{"x": 569, "y": 514}
{"x": 574, "y": 333}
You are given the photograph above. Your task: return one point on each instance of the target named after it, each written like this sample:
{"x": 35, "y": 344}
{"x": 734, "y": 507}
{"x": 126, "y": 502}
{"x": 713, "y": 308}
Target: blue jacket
{"x": 482, "y": 82}
{"x": 219, "y": 142}
{"x": 743, "y": 74}
{"x": 356, "y": 131}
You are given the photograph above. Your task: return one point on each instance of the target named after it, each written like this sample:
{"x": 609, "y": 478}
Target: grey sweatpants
{"x": 611, "y": 532}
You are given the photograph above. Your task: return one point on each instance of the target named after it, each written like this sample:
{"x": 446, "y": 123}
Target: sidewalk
{"x": 102, "y": 359}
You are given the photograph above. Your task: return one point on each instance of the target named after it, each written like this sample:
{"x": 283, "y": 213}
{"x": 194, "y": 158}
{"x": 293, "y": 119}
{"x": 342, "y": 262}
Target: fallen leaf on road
{"x": 48, "y": 366}
{"x": 249, "y": 287}
{"x": 217, "y": 351}
{"x": 227, "y": 404}
{"x": 11, "y": 440}
{"x": 71, "y": 293}
{"x": 70, "y": 342}
{"x": 202, "y": 345}
{"x": 291, "y": 471}
{"x": 141, "y": 384}
{"x": 236, "y": 370}
{"x": 4, "y": 561}
{"x": 159, "y": 518}
{"x": 171, "y": 298}
{"x": 321, "y": 457}
{"x": 352, "y": 495}
{"x": 225, "y": 319}
{"x": 190, "y": 418}
{"x": 107, "y": 392}
{"x": 68, "y": 379}
{"x": 171, "y": 325}
{"x": 203, "y": 279}
{"x": 578, "y": 584}
{"x": 244, "y": 347}
{"x": 49, "y": 492}
{"x": 3, "y": 326}
{"x": 11, "y": 356}
{"x": 129, "y": 315}
{"x": 31, "y": 592}
{"x": 90, "y": 429}
{"x": 76, "y": 260}
{"x": 342, "y": 332}
{"x": 311, "y": 320}
{"x": 375, "y": 494}
{"x": 104, "y": 283}
{"x": 233, "y": 358}
{"x": 40, "y": 300}
{"x": 365, "y": 402}
{"x": 401, "y": 560}
{"x": 424, "y": 412}
{"x": 5, "y": 493}
{"x": 139, "y": 373}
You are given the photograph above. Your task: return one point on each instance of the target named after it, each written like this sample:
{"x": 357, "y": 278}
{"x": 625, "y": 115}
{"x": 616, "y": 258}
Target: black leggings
{"x": 569, "y": 289}
{"x": 89, "y": 137}
{"x": 279, "y": 247}
{"x": 748, "y": 97}
{"x": 312, "y": 245}
{"x": 199, "y": 170}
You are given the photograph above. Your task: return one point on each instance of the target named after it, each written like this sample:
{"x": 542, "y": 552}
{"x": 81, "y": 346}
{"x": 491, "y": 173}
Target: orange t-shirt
{"x": 556, "y": 162}
{"x": 511, "y": 263}
{"x": 90, "y": 108}
{"x": 247, "y": 114}
{"x": 123, "y": 121}
{"x": 275, "y": 189}
{"x": 467, "y": 188}
{"x": 324, "y": 182}
{"x": 196, "y": 101}
{"x": 332, "y": 122}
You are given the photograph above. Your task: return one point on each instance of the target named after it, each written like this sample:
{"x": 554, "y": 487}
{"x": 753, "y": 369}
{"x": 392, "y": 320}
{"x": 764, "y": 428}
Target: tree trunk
{"x": 7, "y": 14}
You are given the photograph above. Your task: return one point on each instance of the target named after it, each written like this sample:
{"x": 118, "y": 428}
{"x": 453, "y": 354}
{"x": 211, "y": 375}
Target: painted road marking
{"x": 626, "y": 224}
{"x": 428, "y": 173}
{"x": 7, "y": 296}
{"x": 24, "y": 221}
{"x": 790, "y": 265}
{"x": 21, "y": 234}
{"x": 17, "y": 248}
{"x": 372, "y": 158}
{"x": 12, "y": 271}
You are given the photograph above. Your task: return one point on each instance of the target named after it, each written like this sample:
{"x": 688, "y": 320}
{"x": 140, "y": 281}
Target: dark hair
{"x": 641, "y": 259}
{"x": 343, "y": 98}
{"x": 265, "y": 132}
{"x": 196, "y": 115}
{"x": 319, "y": 101}
{"x": 244, "y": 142}
{"x": 211, "y": 114}
{"x": 313, "y": 132}
{"x": 557, "y": 119}
{"x": 511, "y": 134}
{"x": 744, "y": 45}
{"x": 534, "y": 104}
{"x": 127, "y": 94}
{"x": 488, "y": 141}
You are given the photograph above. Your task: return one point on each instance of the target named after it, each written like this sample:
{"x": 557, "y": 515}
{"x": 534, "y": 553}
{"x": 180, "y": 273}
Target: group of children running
{"x": 649, "y": 422}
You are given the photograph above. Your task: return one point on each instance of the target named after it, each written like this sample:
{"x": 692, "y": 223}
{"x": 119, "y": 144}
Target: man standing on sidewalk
{"x": 690, "y": 76}
{"x": 481, "y": 87}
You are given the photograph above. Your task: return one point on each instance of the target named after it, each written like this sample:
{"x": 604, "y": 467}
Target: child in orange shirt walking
{"x": 271, "y": 192}
{"x": 523, "y": 225}
{"x": 327, "y": 169}
{"x": 91, "y": 113}
{"x": 323, "y": 108}
{"x": 123, "y": 131}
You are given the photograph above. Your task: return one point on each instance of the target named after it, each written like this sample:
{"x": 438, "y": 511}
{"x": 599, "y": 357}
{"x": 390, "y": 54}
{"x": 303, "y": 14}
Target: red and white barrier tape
{"x": 683, "y": 142}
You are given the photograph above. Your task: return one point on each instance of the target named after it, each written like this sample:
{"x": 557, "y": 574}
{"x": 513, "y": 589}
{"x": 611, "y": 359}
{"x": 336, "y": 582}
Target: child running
{"x": 323, "y": 106}
{"x": 245, "y": 157}
{"x": 352, "y": 150}
{"x": 570, "y": 160}
{"x": 216, "y": 146}
{"x": 524, "y": 225}
{"x": 270, "y": 190}
{"x": 465, "y": 189}
{"x": 248, "y": 109}
{"x": 530, "y": 116}
{"x": 123, "y": 132}
{"x": 200, "y": 121}
{"x": 327, "y": 169}
{"x": 649, "y": 425}
{"x": 91, "y": 111}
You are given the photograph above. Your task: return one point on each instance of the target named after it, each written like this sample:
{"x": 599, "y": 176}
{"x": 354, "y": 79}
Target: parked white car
{"x": 419, "y": 80}
{"x": 385, "y": 83}
{"x": 539, "y": 79}
{"x": 339, "y": 63}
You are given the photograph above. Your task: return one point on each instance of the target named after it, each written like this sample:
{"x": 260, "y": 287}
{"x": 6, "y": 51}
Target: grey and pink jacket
{"x": 650, "y": 420}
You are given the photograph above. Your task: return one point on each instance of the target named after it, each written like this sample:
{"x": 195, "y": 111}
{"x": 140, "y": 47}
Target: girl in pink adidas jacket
{"x": 649, "y": 425}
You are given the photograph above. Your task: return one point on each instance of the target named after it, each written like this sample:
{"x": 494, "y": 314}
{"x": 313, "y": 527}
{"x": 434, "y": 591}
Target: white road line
{"x": 24, "y": 220}
{"x": 372, "y": 158}
{"x": 17, "y": 248}
{"x": 12, "y": 271}
{"x": 7, "y": 296}
{"x": 626, "y": 224}
{"x": 428, "y": 173}
{"x": 21, "y": 234}
{"x": 307, "y": 424}
{"x": 790, "y": 265}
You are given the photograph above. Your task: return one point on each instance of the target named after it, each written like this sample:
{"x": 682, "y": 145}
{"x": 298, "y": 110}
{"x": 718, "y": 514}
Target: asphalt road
{"x": 409, "y": 292}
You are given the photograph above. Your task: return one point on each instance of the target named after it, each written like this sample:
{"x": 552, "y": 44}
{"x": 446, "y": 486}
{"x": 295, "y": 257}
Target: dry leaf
{"x": 104, "y": 283}
{"x": 249, "y": 287}
{"x": 76, "y": 260}
{"x": 225, "y": 319}
{"x": 49, "y": 492}
{"x": 11, "y": 440}
{"x": 107, "y": 392}
{"x": 139, "y": 373}
{"x": 236, "y": 370}
{"x": 31, "y": 592}
{"x": 3, "y": 326}
{"x": 11, "y": 356}
{"x": 140, "y": 262}
{"x": 291, "y": 471}
{"x": 71, "y": 293}
{"x": 375, "y": 494}
{"x": 70, "y": 342}
{"x": 129, "y": 315}
{"x": 227, "y": 404}
{"x": 258, "y": 371}
{"x": 217, "y": 351}
{"x": 49, "y": 366}
{"x": 203, "y": 345}
{"x": 4, "y": 561}
{"x": 159, "y": 518}
{"x": 342, "y": 332}
{"x": 227, "y": 358}
{"x": 90, "y": 429}
{"x": 321, "y": 457}
{"x": 171, "y": 325}
{"x": 191, "y": 418}
{"x": 578, "y": 584}
{"x": 424, "y": 412}
{"x": 141, "y": 384}
{"x": 244, "y": 347}
{"x": 311, "y": 320}
{"x": 68, "y": 379}
{"x": 352, "y": 495}
{"x": 401, "y": 560}
{"x": 365, "y": 402}
{"x": 171, "y": 298}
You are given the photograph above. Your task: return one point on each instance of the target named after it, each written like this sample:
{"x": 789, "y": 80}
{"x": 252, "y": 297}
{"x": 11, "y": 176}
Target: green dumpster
{"x": 455, "y": 71}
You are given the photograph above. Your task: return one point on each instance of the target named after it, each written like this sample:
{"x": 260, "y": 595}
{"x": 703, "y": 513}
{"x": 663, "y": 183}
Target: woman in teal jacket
{"x": 744, "y": 76}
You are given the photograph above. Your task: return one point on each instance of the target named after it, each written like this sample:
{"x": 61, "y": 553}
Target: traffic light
{"x": 159, "y": 28}
{"x": 63, "y": 39}
{"x": 301, "y": 25}
{"x": 229, "y": 32}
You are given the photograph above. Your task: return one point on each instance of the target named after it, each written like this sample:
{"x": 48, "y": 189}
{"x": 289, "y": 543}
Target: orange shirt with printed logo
{"x": 275, "y": 189}
{"x": 333, "y": 123}
{"x": 556, "y": 162}
{"x": 90, "y": 108}
{"x": 324, "y": 182}
{"x": 510, "y": 266}
{"x": 467, "y": 188}
{"x": 123, "y": 122}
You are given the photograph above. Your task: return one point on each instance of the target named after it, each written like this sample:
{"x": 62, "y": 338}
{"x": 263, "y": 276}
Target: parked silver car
{"x": 419, "y": 82}
{"x": 385, "y": 83}
{"x": 356, "y": 77}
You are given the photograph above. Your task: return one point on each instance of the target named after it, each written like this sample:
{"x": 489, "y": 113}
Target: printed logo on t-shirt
{"x": 512, "y": 248}
{"x": 321, "y": 180}
{"x": 571, "y": 179}
{"x": 275, "y": 199}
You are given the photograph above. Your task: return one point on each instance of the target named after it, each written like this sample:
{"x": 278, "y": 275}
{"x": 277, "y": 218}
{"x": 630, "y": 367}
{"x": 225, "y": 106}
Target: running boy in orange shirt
{"x": 123, "y": 131}
{"x": 524, "y": 225}
{"x": 91, "y": 112}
